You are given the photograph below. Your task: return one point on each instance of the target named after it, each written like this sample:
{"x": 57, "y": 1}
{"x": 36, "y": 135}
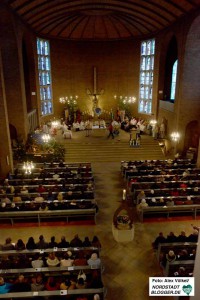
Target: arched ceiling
{"x": 100, "y": 19}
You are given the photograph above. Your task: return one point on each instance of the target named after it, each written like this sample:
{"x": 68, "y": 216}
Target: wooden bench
{"x": 173, "y": 267}
{"x": 165, "y": 247}
{"x": 58, "y": 294}
{"x": 40, "y": 215}
{"x": 53, "y": 272}
{"x": 168, "y": 210}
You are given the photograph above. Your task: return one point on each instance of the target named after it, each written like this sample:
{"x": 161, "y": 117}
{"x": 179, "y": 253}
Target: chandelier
{"x": 28, "y": 167}
{"x": 126, "y": 99}
{"x": 54, "y": 123}
{"x": 70, "y": 100}
{"x": 153, "y": 122}
{"x": 46, "y": 137}
{"x": 175, "y": 136}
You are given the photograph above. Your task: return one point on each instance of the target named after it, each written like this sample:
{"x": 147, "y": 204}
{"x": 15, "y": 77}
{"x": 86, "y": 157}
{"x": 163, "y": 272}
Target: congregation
{"x": 52, "y": 266}
{"x": 176, "y": 253}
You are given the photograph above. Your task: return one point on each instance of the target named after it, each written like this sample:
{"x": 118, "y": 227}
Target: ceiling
{"x": 100, "y": 19}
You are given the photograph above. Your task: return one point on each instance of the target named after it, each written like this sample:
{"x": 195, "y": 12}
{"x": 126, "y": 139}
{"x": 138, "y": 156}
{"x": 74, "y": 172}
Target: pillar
{"x": 12, "y": 64}
{"x": 6, "y": 160}
{"x": 198, "y": 156}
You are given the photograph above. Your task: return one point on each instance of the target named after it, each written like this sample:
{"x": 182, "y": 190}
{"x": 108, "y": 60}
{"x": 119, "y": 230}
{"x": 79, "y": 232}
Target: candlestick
{"x": 124, "y": 195}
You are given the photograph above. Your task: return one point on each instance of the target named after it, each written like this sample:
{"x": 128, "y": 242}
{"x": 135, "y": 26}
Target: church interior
{"x": 99, "y": 129}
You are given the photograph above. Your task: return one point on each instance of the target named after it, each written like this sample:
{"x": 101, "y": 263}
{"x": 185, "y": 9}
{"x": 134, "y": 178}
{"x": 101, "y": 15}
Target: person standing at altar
{"x": 88, "y": 127}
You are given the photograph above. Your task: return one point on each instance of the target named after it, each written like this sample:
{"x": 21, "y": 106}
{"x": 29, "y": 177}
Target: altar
{"x": 96, "y": 131}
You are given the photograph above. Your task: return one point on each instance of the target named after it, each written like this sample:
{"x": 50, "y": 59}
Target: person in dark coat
{"x": 159, "y": 239}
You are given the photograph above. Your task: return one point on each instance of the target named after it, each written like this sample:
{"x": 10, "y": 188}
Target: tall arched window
{"x": 146, "y": 76}
{"x": 44, "y": 69}
{"x": 171, "y": 65}
{"x": 173, "y": 82}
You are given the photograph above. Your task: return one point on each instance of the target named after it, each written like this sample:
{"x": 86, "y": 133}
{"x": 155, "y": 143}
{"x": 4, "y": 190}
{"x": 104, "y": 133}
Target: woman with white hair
{"x": 142, "y": 204}
{"x": 94, "y": 261}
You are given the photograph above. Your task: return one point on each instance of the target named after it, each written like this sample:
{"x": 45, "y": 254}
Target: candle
{"x": 124, "y": 195}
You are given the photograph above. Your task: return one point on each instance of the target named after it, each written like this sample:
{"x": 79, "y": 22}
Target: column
{"x": 12, "y": 64}
{"x": 198, "y": 156}
{"x": 6, "y": 160}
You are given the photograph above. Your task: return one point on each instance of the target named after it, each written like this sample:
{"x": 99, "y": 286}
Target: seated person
{"x": 82, "y": 125}
{"x": 20, "y": 245}
{"x": 142, "y": 204}
{"x": 16, "y": 198}
{"x": 76, "y": 126}
{"x": 38, "y": 199}
{"x": 171, "y": 238}
{"x": 5, "y": 200}
{"x": 66, "y": 260}
{"x": 52, "y": 260}
{"x": 94, "y": 261}
{"x": 24, "y": 190}
{"x": 52, "y": 284}
{"x": 21, "y": 285}
{"x": 170, "y": 202}
{"x": 41, "y": 189}
{"x": 182, "y": 238}
{"x": 63, "y": 243}
{"x": 37, "y": 283}
{"x": 80, "y": 259}
{"x": 5, "y": 287}
{"x": 81, "y": 284}
{"x": 169, "y": 257}
{"x": 67, "y": 134}
{"x": 8, "y": 245}
{"x": 37, "y": 261}
{"x": 159, "y": 239}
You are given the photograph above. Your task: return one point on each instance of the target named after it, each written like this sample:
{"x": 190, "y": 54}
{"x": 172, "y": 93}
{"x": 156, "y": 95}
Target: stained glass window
{"x": 146, "y": 76}
{"x": 44, "y": 69}
{"x": 173, "y": 82}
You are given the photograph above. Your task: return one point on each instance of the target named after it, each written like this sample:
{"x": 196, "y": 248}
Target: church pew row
{"x": 153, "y": 185}
{"x": 58, "y": 274}
{"x": 159, "y": 172}
{"x": 176, "y": 247}
{"x": 67, "y": 180}
{"x": 80, "y": 214}
{"x": 168, "y": 211}
{"x": 172, "y": 267}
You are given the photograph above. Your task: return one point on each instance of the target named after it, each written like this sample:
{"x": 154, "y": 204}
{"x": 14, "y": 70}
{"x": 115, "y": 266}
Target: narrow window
{"x": 173, "y": 82}
{"x": 146, "y": 76}
{"x": 44, "y": 69}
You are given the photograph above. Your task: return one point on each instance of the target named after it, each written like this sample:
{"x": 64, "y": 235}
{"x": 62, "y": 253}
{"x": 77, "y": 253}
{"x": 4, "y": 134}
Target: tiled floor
{"x": 127, "y": 265}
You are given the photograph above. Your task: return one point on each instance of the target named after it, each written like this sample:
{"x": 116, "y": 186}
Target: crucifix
{"x": 95, "y": 95}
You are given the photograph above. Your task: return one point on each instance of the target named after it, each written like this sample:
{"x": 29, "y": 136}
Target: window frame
{"x": 147, "y": 55}
{"x": 44, "y": 76}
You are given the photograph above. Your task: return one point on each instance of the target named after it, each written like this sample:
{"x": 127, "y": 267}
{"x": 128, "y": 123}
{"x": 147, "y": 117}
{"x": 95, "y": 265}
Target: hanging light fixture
{"x": 28, "y": 166}
{"x": 55, "y": 123}
{"x": 175, "y": 136}
{"x": 153, "y": 122}
{"x": 70, "y": 100}
{"x": 126, "y": 99}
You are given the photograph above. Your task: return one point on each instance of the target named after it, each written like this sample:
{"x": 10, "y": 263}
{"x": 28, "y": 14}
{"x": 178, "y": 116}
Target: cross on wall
{"x": 95, "y": 95}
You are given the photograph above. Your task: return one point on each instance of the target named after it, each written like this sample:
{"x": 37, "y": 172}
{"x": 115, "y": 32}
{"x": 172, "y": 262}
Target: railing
{"x": 39, "y": 215}
{"x": 168, "y": 210}
{"x": 32, "y": 120}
